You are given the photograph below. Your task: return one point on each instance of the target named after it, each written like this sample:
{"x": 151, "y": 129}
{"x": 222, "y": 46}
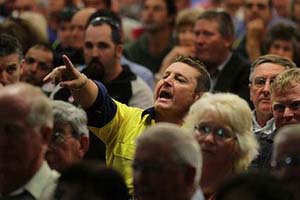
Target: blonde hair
{"x": 284, "y": 80}
{"x": 236, "y": 114}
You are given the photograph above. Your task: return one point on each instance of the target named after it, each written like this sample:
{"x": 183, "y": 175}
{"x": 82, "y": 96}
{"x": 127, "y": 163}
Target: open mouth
{"x": 165, "y": 95}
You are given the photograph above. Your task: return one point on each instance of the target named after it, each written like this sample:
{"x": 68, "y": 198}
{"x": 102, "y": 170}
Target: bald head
{"x": 27, "y": 100}
{"x": 25, "y": 131}
{"x": 78, "y": 23}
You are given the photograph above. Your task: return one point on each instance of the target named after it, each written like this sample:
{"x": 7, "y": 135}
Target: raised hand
{"x": 67, "y": 76}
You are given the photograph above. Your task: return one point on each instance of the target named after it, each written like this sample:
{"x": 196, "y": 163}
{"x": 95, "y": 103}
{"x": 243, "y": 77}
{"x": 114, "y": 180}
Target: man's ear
{"x": 22, "y": 66}
{"x": 119, "y": 51}
{"x": 46, "y": 133}
{"x": 198, "y": 95}
{"x": 189, "y": 176}
{"x": 84, "y": 145}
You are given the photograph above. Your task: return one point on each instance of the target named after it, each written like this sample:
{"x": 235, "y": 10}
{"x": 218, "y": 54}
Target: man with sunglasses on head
{"x": 10, "y": 60}
{"x": 38, "y": 62}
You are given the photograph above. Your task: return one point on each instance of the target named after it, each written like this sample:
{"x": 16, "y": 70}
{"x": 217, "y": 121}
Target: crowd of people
{"x": 149, "y": 99}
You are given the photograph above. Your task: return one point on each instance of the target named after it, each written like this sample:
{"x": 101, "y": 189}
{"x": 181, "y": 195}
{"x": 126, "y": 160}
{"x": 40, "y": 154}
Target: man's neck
{"x": 158, "y": 41}
{"x": 212, "y": 67}
{"x": 262, "y": 118}
{"x": 169, "y": 117}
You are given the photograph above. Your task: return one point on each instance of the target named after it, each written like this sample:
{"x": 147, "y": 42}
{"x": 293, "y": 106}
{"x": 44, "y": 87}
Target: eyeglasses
{"x": 107, "y": 20}
{"x": 260, "y": 6}
{"x": 41, "y": 65}
{"x": 260, "y": 82}
{"x": 289, "y": 161}
{"x": 280, "y": 108}
{"x": 219, "y": 133}
{"x": 59, "y": 138}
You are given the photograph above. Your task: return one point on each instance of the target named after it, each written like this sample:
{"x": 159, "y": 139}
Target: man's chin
{"x": 162, "y": 106}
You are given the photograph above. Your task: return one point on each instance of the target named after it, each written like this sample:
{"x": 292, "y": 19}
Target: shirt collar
{"x": 267, "y": 129}
{"x": 37, "y": 183}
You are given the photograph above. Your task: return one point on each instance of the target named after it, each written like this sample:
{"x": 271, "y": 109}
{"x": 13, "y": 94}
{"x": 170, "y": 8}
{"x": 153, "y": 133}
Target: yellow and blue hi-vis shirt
{"x": 118, "y": 126}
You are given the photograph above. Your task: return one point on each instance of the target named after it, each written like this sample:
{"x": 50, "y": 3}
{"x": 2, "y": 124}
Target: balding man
{"x": 25, "y": 130}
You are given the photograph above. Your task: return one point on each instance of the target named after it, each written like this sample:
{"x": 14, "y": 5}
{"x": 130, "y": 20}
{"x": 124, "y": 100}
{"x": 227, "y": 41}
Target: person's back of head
{"x": 26, "y": 128}
{"x": 285, "y": 158}
{"x": 173, "y": 157}
{"x": 89, "y": 180}
{"x": 252, "y": 186}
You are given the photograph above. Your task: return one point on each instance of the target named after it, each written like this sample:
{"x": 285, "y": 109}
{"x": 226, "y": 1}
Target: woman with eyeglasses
{"x": 222, "y": 125}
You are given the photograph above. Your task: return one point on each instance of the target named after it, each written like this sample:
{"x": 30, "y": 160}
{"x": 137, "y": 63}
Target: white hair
{"x": 236, "y": 114}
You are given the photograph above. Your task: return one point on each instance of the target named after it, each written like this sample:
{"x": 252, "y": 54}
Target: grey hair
{"x": 270, "y": 58}
{"x": 38, "y": 105}
{"x": 184, "y": 148}
{"x": 236, "y": 114}
{"x": 72, "y": 115}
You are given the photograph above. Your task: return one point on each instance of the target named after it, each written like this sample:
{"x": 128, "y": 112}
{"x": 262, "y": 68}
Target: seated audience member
{"x": 285, "y": 96}
{"x": 10, "y": 60}
{"x": 90, "y": 181}
{"x": 156, "y": 41}
{"x": 263, "y": 72}
{"x": 62, "y": 44}
{"x": 23, "y": 30}
{"x": 259, "y": 18}
{"x": 26, "y": 128}
{"x": 137, "y": 69}
{"x": 166, "y": 155}
{"x": 286, "y": 158}
{"x": 253, "y": 186}
{"x": 38, "y": 62}
{"x": 222, "y": 125}
{"x": 283, "y": 40}
{"x": 294, "y": 11}
{"x": 103, "y": 63}
{"x": 184, "y": 36}
{"x": 70, "y": 139}
{"x": 214, "y": 33}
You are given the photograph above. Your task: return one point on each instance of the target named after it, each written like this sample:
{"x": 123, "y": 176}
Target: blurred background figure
{"x": 149, "y": 50}
{"x": 253, "y": 186}
{"x": 295, "y": 11}
{"x": 23, "y": 30}
{"x": 167, "y": 155}
{"x": 283, "y": 40}
{"x": 184, "y": 37}
{"x": 70, "y": 139}
{"x": 91, "y": 181}
{"x": 281, "y": 7}
{"x": 63, "y": 43}
{"x": 286, "y": 158}
{"x": 222, "y": 125}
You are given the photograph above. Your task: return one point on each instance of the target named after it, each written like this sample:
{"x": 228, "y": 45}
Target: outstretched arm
{"x": 84, "y": 90}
